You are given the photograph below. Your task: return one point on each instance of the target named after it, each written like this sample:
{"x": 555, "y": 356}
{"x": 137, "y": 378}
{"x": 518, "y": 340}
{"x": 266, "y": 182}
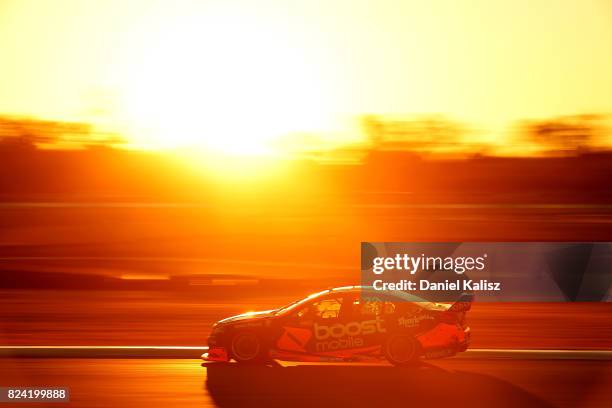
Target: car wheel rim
{"x": 401, "y": 349}
{"x": 245, "y": 347}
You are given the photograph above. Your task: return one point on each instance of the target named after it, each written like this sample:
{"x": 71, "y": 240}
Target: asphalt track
{"x": 483, "y": 378}
{"x": 190, "y": 352}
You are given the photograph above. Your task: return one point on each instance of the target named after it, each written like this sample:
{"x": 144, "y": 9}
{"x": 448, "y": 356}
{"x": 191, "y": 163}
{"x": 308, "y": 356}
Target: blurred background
{"x": 164, "y": 165}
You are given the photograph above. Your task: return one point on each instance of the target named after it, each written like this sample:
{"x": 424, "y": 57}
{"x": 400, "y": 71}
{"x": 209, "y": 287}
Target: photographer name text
{"x": 447, "y": 285}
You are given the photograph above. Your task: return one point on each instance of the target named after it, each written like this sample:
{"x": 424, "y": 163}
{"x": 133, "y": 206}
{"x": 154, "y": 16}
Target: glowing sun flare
{"x": 219, "y": 87}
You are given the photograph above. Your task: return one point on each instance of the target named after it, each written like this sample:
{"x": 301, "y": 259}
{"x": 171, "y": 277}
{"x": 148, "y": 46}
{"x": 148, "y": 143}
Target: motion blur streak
{"x": 166, "y": 164}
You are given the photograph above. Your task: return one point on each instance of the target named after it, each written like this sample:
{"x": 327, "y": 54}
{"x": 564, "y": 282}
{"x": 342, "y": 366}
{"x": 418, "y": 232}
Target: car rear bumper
{"x": 445, "y": 340}
{"x": 467, "y": 338}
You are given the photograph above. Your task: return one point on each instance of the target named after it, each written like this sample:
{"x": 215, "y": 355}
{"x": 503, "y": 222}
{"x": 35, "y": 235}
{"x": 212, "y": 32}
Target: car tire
{"x": 402, "y": 350}
{"x": 246, "y": 347}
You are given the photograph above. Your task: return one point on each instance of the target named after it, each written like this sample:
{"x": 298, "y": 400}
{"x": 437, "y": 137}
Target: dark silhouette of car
{"x": 345, "y": 324}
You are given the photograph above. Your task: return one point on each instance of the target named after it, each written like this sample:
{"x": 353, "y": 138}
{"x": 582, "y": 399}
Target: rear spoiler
{"x": 463, "y": 304}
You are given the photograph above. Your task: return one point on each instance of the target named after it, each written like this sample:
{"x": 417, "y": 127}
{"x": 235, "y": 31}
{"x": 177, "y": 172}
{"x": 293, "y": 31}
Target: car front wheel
{"x": 247, "y": 347}
{"x": 402, "y": 350}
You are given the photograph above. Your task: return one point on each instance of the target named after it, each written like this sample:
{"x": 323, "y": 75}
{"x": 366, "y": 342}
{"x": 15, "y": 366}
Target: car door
{"x": 375, "y": 317}
{"x": 317, "y": 327}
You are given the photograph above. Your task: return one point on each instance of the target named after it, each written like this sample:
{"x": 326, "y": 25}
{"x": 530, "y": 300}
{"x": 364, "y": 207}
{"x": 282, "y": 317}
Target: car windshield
{"x": 294, "y": 305}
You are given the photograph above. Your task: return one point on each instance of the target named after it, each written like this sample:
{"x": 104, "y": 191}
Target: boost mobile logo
{"x": 351, "y": 329}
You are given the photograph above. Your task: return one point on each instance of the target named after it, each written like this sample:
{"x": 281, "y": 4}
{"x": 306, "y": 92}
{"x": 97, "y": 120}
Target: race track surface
{"x": 185, "y": 383}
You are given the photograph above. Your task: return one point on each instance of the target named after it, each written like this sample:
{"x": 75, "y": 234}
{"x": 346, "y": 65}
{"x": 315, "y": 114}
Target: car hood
{"x": 248, "y": 316}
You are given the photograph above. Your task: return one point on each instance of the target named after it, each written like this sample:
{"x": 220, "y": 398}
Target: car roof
{"x": 397, "y": 295}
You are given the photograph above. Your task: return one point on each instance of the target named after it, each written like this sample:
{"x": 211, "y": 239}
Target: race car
{"x": 345, "y": 324}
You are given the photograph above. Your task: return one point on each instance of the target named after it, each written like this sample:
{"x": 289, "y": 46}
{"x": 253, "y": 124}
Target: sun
{"x": 223, "y": 85}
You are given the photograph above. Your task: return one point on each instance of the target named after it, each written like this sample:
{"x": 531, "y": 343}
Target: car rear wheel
{"x": 402, "y": 350}
{"x": 246, "y": 347}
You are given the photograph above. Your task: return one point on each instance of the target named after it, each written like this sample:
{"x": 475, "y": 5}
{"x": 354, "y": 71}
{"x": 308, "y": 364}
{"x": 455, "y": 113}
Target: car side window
{"x": 373, "y": 306}
{"x": 410, "y": 309}
{"x": 389, "y": 308}
{"x": 327, "y": 308}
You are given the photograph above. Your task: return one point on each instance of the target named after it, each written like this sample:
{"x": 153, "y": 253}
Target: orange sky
{"x": 173, "y": 73}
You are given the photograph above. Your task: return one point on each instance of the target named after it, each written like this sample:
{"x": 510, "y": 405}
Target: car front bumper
{"x": 216, "y": 354}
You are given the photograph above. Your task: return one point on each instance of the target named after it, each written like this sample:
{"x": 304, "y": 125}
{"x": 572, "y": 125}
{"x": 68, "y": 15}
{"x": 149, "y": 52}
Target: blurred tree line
{"x": 565, "y": 135}
{"x": 575, "y": 134}
{"x": 42, "y": 159}
{"x": 24, "y": 133}
{"x": 416, "y": 134}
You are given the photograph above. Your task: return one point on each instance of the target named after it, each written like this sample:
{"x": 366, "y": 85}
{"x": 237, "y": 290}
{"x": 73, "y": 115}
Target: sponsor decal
{"x": 351, "y": 329}
{"x": 345, "y": 336}
{"x": 294, "y": 339}
{"x": 413, "y": 321}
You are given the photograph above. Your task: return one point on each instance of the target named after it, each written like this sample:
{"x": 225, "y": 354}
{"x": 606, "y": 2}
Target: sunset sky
{"x": 172, "y": 73}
